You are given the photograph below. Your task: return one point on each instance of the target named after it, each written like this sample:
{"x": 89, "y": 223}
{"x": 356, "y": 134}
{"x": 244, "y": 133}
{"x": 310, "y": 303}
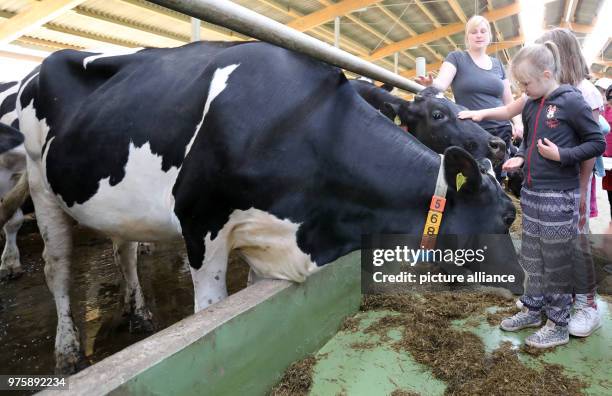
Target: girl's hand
{"x": 517, "y": 131}
{"x": 474, "y": 115}
{"x": 548, "y": 150}
{"x": 425, "y": 80}
{"x": 513, "y": 164}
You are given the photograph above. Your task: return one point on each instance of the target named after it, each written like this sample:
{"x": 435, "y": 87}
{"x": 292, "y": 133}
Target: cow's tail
{"x": 14, "y": 199}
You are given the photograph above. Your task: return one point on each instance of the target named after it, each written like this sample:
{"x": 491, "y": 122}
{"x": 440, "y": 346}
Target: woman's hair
{"x": 532, "y": 60}
{"x": 473, "y": 22}
{"x": 574, "y": 68}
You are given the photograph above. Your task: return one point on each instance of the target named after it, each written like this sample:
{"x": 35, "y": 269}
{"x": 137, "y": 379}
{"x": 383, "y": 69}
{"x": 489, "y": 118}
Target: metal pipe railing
{"x": 250, "y": 23}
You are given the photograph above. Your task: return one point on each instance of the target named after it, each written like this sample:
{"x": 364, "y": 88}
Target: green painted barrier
{"x": 239, "y": 346}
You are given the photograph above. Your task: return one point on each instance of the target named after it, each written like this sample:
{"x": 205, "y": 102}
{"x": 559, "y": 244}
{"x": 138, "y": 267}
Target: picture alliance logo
{"x": 404, "y": 254}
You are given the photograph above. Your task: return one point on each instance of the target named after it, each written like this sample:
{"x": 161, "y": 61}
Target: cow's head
{"x": 432, "y": 119}
{"x": 9, "y": 138}
{"x": 477, "y": 203}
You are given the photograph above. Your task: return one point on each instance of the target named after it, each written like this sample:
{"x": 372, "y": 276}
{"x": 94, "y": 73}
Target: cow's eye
{"x": 437, "y": 115}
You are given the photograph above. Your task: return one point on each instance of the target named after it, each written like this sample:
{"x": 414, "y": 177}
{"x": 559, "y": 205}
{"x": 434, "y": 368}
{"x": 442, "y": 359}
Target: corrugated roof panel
{"x": 267, "y": 10}
{"x": 443, "y": 12}
{"x": 587, "y": 10}
{"x": 14, "y": 5}
{"x": 382, "y": 23}
{"x": 79, "y": 23}
{"x": 151, "y": 16}
{"x": 65, "y": 38}
{"x": 553, "y": 13}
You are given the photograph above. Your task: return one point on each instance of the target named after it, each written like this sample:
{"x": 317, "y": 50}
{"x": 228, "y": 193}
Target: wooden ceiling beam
{"x": 569, "y": 10}
{"x": 226, "y": 34}
{"x": 368, "y": 28}
{"x": 603, "y": 62}
{"x": 442, "y": 32}
{"x": 494, "y": 47}
{"x": 577, "y": 27}
{"x": 327, "y": 35}
{"x": 21, "y": 57}
{"x": 434, "y": 20}
{"x": 498, "y": 33}
{"x": 454, "y": 4}
{"x": 347, "y": 44}
{"x": 328, "y": 13}
{"x": 33, "y": 17}
{"x": 407, "y": 28}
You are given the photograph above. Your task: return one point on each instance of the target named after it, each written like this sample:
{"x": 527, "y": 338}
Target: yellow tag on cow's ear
{"x": 460, "y": 180}
{"x": 397, "y": 120}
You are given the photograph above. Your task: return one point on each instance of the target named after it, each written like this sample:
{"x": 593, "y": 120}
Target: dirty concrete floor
{"x": 27, "y": 310}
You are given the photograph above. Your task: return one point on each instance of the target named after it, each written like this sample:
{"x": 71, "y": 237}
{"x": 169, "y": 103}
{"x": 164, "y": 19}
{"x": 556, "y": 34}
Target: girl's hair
{"x": 532, "y": 60}
{"x": 473, "y": 22}
{"x": 574, "y": 68}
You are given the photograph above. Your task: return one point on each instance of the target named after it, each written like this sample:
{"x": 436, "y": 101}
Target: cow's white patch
{"x": 9, "y": 117}
{"x": 5, "y": 94}
{"x": 440, "y": 95}
{"x": 489, "y": 167}
{"x": 139, "y": 207}
{"x": 108, "y": 54}
{"x": 217, "y": 85}
{"x": 267, "y": 243}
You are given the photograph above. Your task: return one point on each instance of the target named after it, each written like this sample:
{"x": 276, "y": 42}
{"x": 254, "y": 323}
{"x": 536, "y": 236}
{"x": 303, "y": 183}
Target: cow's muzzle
{"x": 497, "y": 149}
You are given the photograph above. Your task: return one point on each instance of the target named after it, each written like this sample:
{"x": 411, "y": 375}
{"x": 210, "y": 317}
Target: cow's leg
{"x": 253, "y": 277}
{"x": 56, "y": 232}
{"x": 209, "y": 280}
{"x": 11, "y": 265}
{"x": 126, "y": 254}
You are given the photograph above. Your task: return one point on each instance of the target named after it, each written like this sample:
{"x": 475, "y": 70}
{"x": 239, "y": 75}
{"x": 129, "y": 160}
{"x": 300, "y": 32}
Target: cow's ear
{"x": 387, "y": 87}
{"x": 390, "y": 110}
{"x": 461, "y": 170}
{"x": 9, "y": 138}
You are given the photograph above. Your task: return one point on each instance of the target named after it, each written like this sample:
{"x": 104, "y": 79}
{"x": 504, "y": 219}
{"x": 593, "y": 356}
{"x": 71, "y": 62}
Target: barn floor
{"x": 357, "y": 361}
{"x": 27, "y": 310}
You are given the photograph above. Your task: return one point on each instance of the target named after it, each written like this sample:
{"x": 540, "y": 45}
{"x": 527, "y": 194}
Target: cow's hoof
{"x": 10, "y": 273}
{"x": 70, "y": 364}
{"x": 140, "y": 325}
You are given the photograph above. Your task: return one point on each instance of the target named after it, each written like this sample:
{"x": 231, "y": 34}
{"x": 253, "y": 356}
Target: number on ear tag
{"x": 460, "y": 180}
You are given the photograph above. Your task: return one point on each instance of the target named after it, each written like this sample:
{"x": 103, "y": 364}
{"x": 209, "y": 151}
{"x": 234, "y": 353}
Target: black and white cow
{"x": 228, "y": 146}
{"x": 12, "y": 163}
{"x": 434, "y": 121}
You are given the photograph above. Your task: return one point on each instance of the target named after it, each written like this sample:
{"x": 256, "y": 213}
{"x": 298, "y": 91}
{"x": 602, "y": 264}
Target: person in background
{"x": 478, "y": 81}
{"x": 606, "y": 182}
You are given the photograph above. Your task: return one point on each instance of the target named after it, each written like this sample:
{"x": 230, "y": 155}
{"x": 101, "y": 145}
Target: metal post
{"x": 250, "y": 23}
{"x": 337, "y": 32}
{"x": 396, "y": 62}
{"x": 195, "y": 29}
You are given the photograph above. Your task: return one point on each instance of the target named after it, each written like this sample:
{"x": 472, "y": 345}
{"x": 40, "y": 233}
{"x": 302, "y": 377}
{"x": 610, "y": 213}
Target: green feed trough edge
{"x": 242, "y": 346}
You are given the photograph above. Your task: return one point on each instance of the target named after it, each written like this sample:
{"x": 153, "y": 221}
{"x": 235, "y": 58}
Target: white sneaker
{"x": 584, "y": 322}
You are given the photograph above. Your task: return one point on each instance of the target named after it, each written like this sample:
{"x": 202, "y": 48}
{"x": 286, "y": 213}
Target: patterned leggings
{"x": 550, "y": 226}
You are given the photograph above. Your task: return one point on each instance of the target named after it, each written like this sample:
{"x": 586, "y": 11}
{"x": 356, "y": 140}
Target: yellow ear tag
{"x": 460, "y": 180}
{"x": 397, "y": 120}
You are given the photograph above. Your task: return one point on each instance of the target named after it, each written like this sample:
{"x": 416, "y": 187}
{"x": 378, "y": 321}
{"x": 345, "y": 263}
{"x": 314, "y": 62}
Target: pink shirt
{"x": 607, "y": 113}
